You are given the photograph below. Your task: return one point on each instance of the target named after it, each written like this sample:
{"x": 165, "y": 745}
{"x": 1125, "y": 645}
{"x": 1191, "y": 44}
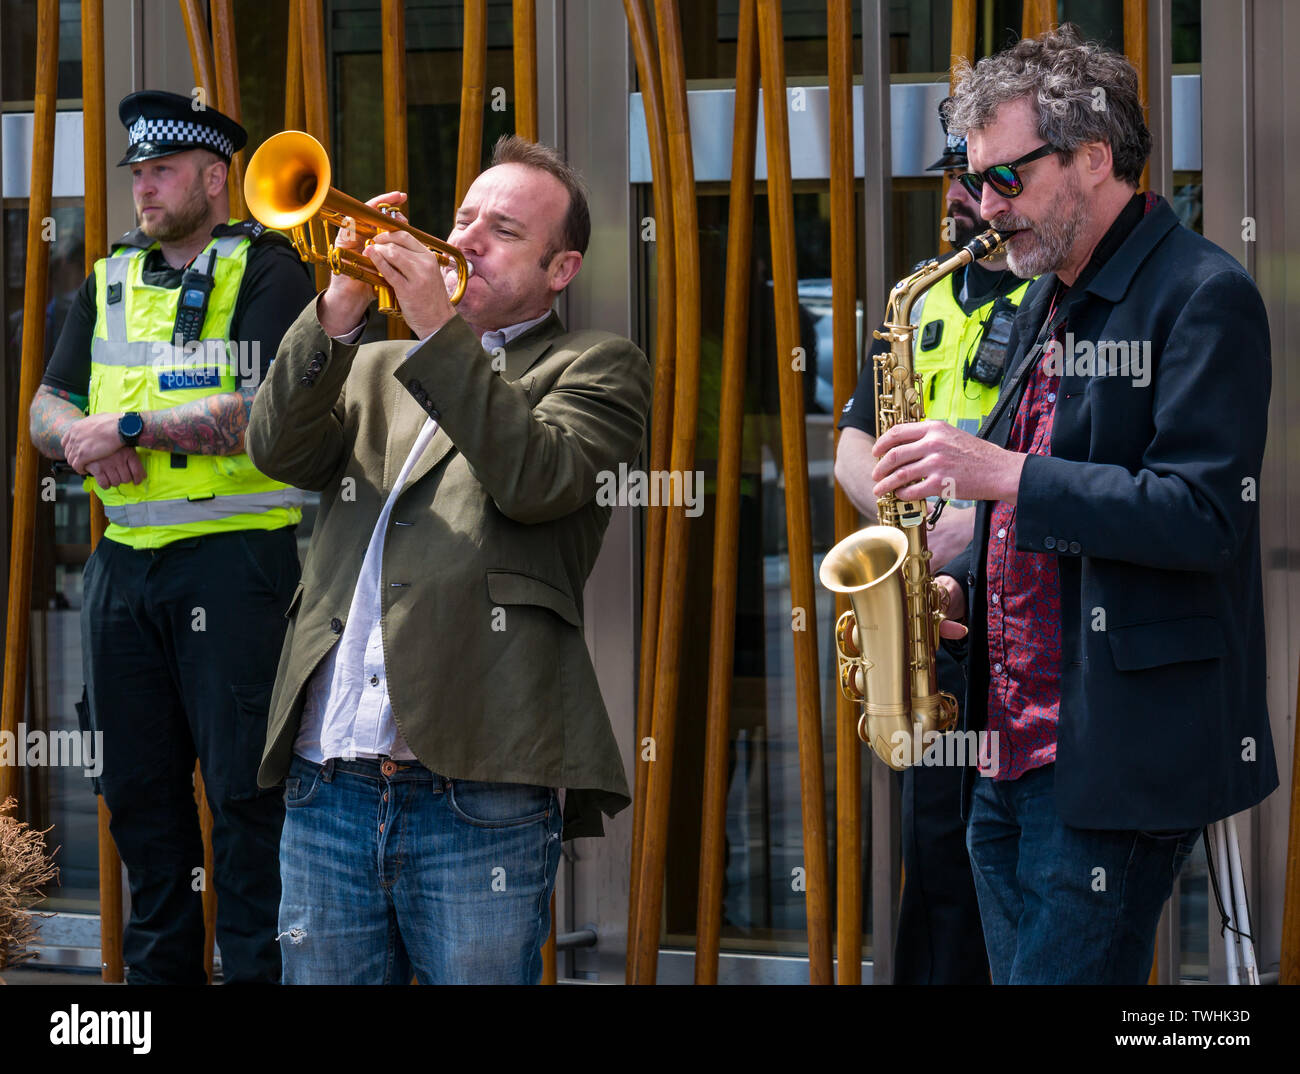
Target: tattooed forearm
{"x": 211, "y": 426}
{"x": 53, "y": 412}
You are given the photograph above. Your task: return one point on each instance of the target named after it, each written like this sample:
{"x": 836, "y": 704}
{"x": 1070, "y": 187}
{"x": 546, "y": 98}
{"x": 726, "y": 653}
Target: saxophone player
{"x": 1112, "y": 586}
{"x": 962, "y": 324}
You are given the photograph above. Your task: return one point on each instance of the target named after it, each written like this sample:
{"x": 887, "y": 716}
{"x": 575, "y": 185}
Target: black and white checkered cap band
{"x": 179, "y": 131}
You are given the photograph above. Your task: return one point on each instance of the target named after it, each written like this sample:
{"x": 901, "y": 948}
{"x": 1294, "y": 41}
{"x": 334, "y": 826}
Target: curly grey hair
{"x": 1062, "y": 74}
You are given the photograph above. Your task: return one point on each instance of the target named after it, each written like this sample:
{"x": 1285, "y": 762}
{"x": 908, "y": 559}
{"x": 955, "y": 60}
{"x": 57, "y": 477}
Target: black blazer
{"x": 1149, "y": 500}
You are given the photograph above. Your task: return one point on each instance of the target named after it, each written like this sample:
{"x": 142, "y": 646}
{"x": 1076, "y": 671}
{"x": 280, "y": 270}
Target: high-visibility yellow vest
{"x": 135, "y": 366}
{"x": 948, "y": 394}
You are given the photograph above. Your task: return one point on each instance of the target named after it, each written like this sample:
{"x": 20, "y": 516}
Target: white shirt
{"x": 347, "y": 712}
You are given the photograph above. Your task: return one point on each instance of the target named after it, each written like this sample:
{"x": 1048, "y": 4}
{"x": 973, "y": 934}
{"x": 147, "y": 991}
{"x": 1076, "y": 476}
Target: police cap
{"x": 954, "y": 152}
{"x": 159, "y": 123}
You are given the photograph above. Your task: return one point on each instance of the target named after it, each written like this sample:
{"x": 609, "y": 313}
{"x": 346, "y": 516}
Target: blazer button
{"x": 1062, "y": 545}
{"x": 1050, "y": 542}
{"x": 415, "y": 387}
{"x": 336, "y": 625}
{"x": 318, "y": 356}
{"x": 434, "y": 413}
{"x": 1076, "y": 547}
{"x": 307, "y": 380}
{"x": 314, "y": 366}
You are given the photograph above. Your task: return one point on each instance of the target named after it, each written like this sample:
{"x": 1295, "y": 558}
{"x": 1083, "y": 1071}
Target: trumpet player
{"x": 962, "y": 327}
{"x": 435, "y": 692}
{"x": 147, "y": 394}
{"x": 1112, "y": 587}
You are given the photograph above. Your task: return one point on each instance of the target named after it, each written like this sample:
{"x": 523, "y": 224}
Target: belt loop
{"x": 327, "y": 771}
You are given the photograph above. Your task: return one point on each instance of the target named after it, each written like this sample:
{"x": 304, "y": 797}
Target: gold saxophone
{"x": 886, "y": 644}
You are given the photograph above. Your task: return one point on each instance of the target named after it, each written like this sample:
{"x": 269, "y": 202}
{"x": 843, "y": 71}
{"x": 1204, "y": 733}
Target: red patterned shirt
{"x": 1024, "y": 614}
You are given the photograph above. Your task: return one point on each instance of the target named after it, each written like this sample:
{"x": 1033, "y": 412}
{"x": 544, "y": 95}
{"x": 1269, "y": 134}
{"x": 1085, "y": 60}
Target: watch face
{"x": 130, "y": 425}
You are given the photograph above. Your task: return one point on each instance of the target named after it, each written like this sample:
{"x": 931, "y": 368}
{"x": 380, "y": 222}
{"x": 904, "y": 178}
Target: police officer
{"x": 959, "y": 350}
{"x": 147, "y": 394}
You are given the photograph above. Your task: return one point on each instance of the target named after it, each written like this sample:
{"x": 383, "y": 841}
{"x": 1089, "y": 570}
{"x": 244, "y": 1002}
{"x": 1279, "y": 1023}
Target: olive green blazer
{"x": 490, "y": 542}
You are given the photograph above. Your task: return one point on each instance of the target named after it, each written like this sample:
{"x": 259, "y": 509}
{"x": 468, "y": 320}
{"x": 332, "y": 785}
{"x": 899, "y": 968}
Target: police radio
{"x": 986, "y": 366}
{"x": 196, "y": 289}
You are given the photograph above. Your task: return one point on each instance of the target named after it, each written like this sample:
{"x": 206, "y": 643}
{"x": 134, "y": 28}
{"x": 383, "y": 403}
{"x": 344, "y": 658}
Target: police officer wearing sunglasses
{"x": 1113, "y": 586}
{"x": 959, "y": 349}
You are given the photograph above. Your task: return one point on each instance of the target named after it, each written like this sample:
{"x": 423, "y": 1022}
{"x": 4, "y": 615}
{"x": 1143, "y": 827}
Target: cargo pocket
{"x": 252, "y": 702}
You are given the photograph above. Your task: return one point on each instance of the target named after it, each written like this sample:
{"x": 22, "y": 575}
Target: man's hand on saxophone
{"x": 931, "y": 458}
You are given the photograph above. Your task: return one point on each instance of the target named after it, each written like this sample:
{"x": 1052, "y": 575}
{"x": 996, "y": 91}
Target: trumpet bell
{"x": 287, "y": 180}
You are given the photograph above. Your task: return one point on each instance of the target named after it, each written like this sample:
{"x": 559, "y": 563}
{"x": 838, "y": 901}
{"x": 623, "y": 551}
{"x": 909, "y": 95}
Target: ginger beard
{"x": 180, "y": 223}
{"x": 1043, "y": 246}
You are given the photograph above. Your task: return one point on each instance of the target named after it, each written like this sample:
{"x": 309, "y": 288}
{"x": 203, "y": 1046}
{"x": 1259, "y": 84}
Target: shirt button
{"x": 336, "y": 625}
{"x": 993, "y": 597}
{"x": 1051, "y": 397}
{"x": 374, "y": 680}
{"x": 997, "y": 668}
{"x": 1002, "y": 533}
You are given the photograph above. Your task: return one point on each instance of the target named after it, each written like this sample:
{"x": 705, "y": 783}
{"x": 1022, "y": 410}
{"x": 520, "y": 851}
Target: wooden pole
{"x": 395, "y": 133}
{"x": 794, "y": 454}
{"x": 293, "y": 104}
{"x": 315, "y": 89}
{"x": 226, "y": 91}
{"x": 196, "y": 30}
{"x": 1037, "y": 16}
{"x": 682, "y": 458}
{"x": 226, "y": 49}
{"x": 661, "y": 421}
{"x": 473, "y": 74}
{"x": 844, "y": 335}
{"x": 963, "y": 35}
{"x": 96, "y": 242}
{"x": 23, "y": 532}
{"x": 525, "y": 56}
{"x": 1136, "y": 48}
{"x": 726, "y": 534}
{"x": 1290, "y": 968}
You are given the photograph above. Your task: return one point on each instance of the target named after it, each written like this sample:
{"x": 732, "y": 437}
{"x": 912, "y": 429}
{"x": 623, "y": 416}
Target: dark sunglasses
{"x": 1003, "y": 177}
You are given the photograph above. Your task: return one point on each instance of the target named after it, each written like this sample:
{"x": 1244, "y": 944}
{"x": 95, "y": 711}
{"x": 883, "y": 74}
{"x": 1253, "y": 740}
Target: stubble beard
{"x": 187, "y": 218}
{"x": 1052, "y": 237}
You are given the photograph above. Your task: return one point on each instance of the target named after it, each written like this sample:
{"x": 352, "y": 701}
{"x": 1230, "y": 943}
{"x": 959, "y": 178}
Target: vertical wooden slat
{"x": 23, "y": 530}
{"x": 682, "y": 458}
{"x": 963, "y": 34}
{"x": 1138, "y": 53}
{"x": 726, "y": 534}
{"x": 196, "y": 31}
{"x": 1289, "y": 973}
{"x": 209, "y": 890}
{"x": 473, "y": 74}
{"x": 226, "y": 51}
{"x": 525, "y": 56}
{"x": 794, "y": 454}
{"x": 661, "y": 420}
{"x": 844, "y": 334}
{"x": 95, "y": 234}
{"x": 293, "y": 113}
{"x": 311, "y": 27}
{"x": 1037, "y": 16}
{"x": 395, "y": 134}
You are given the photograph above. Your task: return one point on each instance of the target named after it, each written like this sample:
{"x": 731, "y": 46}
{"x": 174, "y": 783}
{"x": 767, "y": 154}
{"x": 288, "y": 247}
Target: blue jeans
{"x": 1064, "y": 905}
{"x": 388, "y": 869}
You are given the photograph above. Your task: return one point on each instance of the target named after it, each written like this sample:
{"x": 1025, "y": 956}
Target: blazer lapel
{"x": 520, "y": 355}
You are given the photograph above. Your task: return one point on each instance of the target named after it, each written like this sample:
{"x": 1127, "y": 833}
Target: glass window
{"x": 18, "y": 52}
{"x": 762, "y": 910}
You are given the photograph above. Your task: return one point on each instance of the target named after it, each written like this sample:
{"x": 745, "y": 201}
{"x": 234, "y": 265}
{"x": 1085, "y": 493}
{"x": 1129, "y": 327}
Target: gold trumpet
{"x": 287, "y": 187}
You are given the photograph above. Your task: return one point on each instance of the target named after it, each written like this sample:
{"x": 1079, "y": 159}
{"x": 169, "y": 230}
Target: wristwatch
{"x": 129, "y": 427}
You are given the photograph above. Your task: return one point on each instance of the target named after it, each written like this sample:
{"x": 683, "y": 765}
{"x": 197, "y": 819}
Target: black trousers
{"x": 940, "y": 939}
{"x": 180, "y": 650}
